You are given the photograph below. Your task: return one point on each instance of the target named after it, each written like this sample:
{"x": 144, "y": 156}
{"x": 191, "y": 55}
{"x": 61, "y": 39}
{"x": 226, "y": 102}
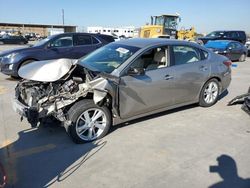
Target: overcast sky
{"x": 205, "y": 16}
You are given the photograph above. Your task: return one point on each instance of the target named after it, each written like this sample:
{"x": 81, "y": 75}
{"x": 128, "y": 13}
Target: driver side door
{"x": 61, "y": 47}
{"x": 139, "y": 94}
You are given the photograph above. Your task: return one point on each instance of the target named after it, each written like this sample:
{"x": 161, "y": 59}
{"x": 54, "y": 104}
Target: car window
{"x": 82, "y": 40}
{"x": 205, "y": 54}
{"x": 237, "y": 45}
{"x": 234, "y": 34}
{"x": 232, "y": 45}
{"x": 185, "y": 54}
{"x": 65, "y": 41}
{"x": 153, "y": 59}
{"x": 95, "y": 41}
{"x": 108, "y": 58}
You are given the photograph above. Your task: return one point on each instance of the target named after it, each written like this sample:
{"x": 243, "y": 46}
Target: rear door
{"x": 235, "y": 51}
{"x": 84, "y": 44}
{"x": 191, "y": 71}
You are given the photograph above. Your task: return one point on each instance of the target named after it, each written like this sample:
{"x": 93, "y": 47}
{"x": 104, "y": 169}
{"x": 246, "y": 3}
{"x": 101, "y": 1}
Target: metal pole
{"x": 63, "y": 16}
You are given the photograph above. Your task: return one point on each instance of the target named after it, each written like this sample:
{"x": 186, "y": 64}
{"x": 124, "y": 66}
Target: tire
{"x": 26, "y": 62}
{"x": 200, "y": 42}
{"x": 209, "y": 93}
{"x": 83, "y": 129}
{"x": 242, "y": 58}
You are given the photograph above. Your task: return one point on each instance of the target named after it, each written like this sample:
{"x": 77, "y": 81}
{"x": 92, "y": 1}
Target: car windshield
{"x": 215, "y": 34}
{"x": 108, "y": 58}
{"x": 43, "y": 41}
{"x": 217, "y": 44}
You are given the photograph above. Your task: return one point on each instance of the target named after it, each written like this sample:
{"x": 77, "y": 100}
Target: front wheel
{"x": 242, "y": 58}
{"x": 209, "y": 93}
{"x": 89, "y": 121}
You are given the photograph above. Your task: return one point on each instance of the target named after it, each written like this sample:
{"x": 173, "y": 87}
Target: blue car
{"x": 234, "y": 50}
{"x": 66, "y": 45}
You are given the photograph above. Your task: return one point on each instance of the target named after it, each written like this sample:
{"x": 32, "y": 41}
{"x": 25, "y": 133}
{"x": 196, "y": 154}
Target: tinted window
{"x": 65, "y": 41}
{"x": 205, "y": 54}
{"x": 234, "y": 34}
{"x": 95, "y": 41}
{"x": 185, "y": 54}
{"x": 238, "y": 45}
{"x": 216, "y": 34}
{"x": 242, "y": 34}
{"x": 232, "y": 45}
{"x": 107, "y": 38}
{"x": 82, "y": 40}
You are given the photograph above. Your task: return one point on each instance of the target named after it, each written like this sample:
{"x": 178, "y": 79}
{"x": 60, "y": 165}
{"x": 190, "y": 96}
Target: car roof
{"x": 220, "y": 41}
{"x": 74, "y": 33}
{"x": 229, "y": 31}
{"x": 146, "y": 42}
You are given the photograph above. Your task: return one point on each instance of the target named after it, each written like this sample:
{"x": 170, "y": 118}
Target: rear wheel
{"x": 242, "y": 58}
{"x": 89, "y": 121}
{"x": 209, "y": 93}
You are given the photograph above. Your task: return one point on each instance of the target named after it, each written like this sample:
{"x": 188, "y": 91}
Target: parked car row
{"x": 239, "y": 36}
{"x": 66, "y": 45}
{"x": 228, "y": 43}
{"x": 12, "y": 39}
{"x": 234, "y": 50}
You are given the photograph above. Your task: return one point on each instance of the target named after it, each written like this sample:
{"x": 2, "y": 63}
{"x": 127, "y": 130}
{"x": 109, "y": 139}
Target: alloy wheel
{"x": 91, "y": 124}
{"x": 211, "y": 92}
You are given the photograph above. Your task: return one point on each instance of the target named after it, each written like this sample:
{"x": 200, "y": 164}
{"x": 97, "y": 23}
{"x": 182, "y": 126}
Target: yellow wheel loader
{"x": 165, "y": 26}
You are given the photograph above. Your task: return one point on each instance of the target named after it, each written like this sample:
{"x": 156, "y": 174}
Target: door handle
{"x": 203, "y": 68}
{"x": 168, "y": 77}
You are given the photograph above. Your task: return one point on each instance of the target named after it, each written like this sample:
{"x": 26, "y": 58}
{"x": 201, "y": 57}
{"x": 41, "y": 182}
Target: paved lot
{"x": 171, "y": 149}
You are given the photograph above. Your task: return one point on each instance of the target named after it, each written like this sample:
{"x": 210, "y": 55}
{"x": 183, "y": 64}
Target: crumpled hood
{"x": 46, "y": 71}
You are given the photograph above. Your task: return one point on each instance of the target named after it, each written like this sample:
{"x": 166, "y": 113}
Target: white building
{"x": 115, "y": 31}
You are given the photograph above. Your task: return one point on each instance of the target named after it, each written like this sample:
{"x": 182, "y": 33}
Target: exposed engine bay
{"x": 46, "y": 97}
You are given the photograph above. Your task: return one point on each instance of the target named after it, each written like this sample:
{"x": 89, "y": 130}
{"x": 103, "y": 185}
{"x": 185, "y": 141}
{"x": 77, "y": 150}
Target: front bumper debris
{"x": 30, "y": 113}
{"x": 243, "y": 99}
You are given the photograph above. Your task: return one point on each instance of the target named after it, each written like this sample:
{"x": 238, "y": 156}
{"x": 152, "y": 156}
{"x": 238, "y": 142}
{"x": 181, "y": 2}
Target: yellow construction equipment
{"x": 165, "y": 26}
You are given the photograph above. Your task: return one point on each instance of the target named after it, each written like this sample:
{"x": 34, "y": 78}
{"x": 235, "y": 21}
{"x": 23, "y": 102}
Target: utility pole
{"x": 63, "y": 16}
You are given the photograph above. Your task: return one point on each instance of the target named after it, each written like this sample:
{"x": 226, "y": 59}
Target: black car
{"x": 66, "y": 45}
{"x": 239, "y": 36}
{"x": 8, "y": 39}
{"x": 232, "y": 49}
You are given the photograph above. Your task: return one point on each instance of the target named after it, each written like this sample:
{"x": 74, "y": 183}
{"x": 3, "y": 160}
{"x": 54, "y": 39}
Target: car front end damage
{"x": 37, "y": 99}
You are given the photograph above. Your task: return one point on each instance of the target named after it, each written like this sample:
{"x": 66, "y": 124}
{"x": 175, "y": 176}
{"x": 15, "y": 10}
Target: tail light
{"x": 227, "y": 63}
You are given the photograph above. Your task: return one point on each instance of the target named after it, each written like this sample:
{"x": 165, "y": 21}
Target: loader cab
{"x": 163, "y": 26}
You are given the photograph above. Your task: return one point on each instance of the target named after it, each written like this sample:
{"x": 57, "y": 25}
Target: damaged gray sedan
{"x": 119, "y": 82}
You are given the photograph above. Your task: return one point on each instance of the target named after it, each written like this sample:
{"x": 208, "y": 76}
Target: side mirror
{"x": 136, "y": 71}
{"x": 229, "y": 48}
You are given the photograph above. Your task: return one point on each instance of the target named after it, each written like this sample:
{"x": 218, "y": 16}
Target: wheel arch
{"x": 24, "y": 60}
{"x": 210, "y": 78}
